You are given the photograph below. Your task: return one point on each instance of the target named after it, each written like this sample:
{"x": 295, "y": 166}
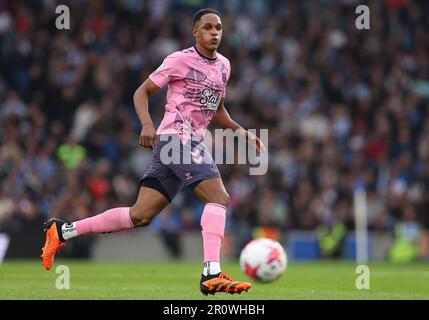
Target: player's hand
{"x": 253, "y": 140}
{"x": 148, "y": 138}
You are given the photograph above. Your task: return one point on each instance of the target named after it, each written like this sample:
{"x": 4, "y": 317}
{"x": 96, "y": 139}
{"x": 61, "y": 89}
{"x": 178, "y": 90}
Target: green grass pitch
{"x": 180, "y": 280}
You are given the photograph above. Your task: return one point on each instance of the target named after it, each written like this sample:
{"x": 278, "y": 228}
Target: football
{"x": 263, "y": 260}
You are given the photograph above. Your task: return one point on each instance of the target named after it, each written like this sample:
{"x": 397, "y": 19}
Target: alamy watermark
{"x": 63, "y": 20}
{"x": 362, "y": 22}
{"x": 63, "y": 280}
{"x": 225, "y": 146}
{"x": 363, "y": 279}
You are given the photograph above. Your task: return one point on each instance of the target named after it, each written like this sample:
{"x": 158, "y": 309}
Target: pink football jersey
{"x": 196, "y": 85}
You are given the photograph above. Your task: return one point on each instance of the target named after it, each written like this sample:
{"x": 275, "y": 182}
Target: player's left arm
{"x": 224, "y": 120}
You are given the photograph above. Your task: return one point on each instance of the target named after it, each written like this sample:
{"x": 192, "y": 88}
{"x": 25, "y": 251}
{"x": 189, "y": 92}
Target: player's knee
{"x": 140, "y": 218}
{"x": 221, "y": 198}
{"x": 143, "y": 222}
{"x": 226, "y": 200}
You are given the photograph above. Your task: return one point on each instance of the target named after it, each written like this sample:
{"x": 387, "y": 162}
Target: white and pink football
{"x": 263, "y": 260}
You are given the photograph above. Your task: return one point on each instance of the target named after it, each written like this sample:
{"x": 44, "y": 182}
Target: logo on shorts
{"x": 188, "y": 176}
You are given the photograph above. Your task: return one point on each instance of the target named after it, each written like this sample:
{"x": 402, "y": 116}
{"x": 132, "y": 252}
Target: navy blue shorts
{"x": 174, "y": 165}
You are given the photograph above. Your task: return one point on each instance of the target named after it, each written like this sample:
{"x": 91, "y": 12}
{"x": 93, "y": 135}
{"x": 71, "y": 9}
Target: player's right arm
{"x": 148, "y": 137}
{"x": 165, "y": 73}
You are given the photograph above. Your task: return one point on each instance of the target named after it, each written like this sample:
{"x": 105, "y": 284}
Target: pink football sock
{"x": 213, "y": 225}
{"x": 112, "y": 220}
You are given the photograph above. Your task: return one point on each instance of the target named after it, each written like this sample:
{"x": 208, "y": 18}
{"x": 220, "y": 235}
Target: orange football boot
{"x": 53, "y": 243}
{"x": 221, "y": 282}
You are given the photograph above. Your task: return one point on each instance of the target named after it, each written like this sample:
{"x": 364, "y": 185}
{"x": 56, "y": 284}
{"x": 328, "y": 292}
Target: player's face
{"x": 208, "y": 31}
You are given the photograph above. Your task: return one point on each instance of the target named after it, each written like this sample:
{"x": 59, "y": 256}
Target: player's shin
{"x": 213, "y": 228}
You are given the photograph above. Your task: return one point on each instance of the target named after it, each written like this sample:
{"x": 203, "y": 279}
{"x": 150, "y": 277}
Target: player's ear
{"x": 194, "y": 31}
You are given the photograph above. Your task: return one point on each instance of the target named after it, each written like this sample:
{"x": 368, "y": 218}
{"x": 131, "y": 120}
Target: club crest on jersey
{"x": 209, "y": 99}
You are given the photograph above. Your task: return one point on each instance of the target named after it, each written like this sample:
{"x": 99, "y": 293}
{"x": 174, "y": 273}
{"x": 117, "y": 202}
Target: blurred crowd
{"x": 343, "y": 106}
